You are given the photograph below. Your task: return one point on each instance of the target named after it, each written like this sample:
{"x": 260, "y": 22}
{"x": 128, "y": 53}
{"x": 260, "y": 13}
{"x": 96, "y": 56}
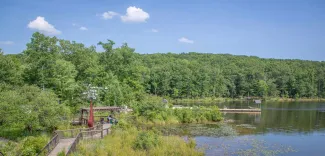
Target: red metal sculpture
{"x": 91, "y": 116}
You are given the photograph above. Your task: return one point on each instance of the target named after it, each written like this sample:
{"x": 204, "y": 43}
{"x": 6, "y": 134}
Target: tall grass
{"x": 122, "y": 143}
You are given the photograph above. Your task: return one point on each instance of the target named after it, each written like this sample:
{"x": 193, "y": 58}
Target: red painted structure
{"x": 91, "y": 115}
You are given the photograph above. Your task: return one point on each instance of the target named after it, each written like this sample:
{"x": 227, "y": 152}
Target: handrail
{"x": 72, "y": 133}
{"x": 48, "y": 148}
{"x": 59, "y": 134}
{"x": 74, "y": 144}
{"x": 81, "y": 136}
{"x": 98, "y": 125}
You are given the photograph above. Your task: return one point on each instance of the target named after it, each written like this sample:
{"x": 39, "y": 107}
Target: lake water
{"x": 292, "y": 129}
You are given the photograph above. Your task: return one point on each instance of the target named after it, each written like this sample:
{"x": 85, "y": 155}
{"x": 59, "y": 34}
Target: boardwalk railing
{"x": 64, "y": 134}
{"x": 74, "y": 144}
{"x": 86, "y": 135}
{"x": 72, "y": 133}
{"x": 50, "y": 146}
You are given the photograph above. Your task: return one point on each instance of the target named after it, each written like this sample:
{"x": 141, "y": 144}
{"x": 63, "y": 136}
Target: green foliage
{"x": 11, "y": 70}
{"x": 122, "y": 125}
{"x": 195, "y": 75}
{"x": 157, "y": 112}
{"x": 198, "y": 115}
{"x": 31, "y": 109}
{"x": 146, "y": 141}
{"x": 29, "y": 146}
{"x": 32, "y": 145}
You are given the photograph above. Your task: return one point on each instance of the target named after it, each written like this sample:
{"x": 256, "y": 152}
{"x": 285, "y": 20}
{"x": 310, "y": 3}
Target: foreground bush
{"x": 29, "y": 146}
{"x": 30, "y": 109}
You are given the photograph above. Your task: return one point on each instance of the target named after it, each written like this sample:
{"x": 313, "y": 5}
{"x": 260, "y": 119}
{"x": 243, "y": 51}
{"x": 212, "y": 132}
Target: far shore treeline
{"x": 67, "y": 67}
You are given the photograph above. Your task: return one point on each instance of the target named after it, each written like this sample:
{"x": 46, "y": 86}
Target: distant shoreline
{"x": 221, "y": 100}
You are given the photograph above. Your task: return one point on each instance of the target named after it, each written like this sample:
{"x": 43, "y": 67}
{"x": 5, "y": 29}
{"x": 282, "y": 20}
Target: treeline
{"x": 66, "y": 68}
{"x": 197, "y": 75}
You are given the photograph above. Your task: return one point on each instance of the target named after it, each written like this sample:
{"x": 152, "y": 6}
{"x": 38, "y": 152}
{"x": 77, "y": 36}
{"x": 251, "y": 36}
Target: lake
{"x": 292, "y": 129}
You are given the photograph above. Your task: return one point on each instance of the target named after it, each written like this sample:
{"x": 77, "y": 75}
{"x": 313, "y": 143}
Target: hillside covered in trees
{"x": 66, "y": 68}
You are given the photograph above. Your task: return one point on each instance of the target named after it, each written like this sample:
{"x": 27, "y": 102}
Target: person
{"x": 109, "y": 118}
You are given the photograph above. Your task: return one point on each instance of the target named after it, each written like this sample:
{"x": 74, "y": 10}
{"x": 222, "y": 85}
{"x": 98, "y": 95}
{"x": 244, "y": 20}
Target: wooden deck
{"x": 102, "y": 109}
{"x": 240, "y": 110}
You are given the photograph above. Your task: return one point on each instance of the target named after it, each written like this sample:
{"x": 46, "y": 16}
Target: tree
{"x": 31, "y": 108}
{"x": 10, "y": 69}
{"x": 63, "y": 79}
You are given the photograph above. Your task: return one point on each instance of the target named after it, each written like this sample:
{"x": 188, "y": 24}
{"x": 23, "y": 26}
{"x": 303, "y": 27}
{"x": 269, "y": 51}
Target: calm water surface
{"x": 300, "y": 126}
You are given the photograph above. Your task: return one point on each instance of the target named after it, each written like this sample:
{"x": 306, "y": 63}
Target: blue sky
{"x": 292, "y": 29}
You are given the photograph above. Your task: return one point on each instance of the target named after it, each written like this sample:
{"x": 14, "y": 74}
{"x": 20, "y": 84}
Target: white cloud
{"x": 154, "y": 30}
{"x": 134, "y": 14}
{"x": 43, "y": 26}
{"x": 185, "y": 40}
{"x": 6, "y": 42}
{"x": 108, "y": 15}
{"x": 83, "y": 28}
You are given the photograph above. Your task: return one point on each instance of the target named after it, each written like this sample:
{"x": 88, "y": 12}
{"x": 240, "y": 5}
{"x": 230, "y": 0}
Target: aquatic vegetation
{"x": 247, "y": 147}
{"x": 246, "y": 126}
{"x": 260, "y": 147}
{"x": 214, "y": 130}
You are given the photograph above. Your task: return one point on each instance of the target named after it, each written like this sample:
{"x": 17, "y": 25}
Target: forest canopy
{"x": 67, "y": 67}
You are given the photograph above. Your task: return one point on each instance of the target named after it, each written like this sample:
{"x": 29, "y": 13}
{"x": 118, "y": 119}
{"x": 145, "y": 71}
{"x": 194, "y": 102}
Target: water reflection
{"x": 284, "y": 117}
{"x": 290, "y": 117}
{"x": 297, "y": 125}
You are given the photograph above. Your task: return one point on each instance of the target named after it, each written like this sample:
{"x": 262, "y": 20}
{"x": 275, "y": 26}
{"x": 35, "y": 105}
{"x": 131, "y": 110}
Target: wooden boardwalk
{"x": 66, "y": 143}
{"x": 239, "y": 110}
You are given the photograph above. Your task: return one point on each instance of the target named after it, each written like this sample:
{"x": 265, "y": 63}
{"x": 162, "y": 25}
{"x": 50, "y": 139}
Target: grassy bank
{"x": 156, "y": 112}
{"x": 127, "y": 140}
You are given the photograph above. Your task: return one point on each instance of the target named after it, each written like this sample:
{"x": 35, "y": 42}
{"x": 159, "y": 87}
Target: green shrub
{"x": 146, "y": 141}
{"x": 122, "y": 124}
{"x": 32, "y": 145}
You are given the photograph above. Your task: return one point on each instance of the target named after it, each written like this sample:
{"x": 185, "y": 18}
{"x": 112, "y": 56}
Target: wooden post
{"x": 101, "y": 134}
{"x": 81, "y": 116}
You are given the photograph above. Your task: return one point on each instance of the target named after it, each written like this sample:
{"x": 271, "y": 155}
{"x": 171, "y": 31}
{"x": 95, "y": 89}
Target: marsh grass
{"x": 122, "y": 143}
